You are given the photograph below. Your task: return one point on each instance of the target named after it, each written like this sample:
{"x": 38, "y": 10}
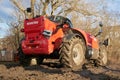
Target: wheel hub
{"x": 77, "y": 51}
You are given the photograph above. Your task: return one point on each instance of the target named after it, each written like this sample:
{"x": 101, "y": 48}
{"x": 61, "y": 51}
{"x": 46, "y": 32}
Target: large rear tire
{"x": 24, "y": 59}
{"x": 103, "y": 56}
{"x": 40, "y": 60}
{"x": 72, "y": 53}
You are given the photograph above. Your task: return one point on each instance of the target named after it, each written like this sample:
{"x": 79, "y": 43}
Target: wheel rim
{"x": 77, "y": 51}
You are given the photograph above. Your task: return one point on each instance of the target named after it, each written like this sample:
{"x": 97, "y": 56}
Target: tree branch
{"x": 18, "y": 5}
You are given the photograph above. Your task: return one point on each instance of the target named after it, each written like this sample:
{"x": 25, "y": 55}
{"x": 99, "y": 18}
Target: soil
{"x": 52, "y": 71}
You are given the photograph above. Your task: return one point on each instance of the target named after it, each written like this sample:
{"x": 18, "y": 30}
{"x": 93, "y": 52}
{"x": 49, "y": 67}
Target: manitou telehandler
{"x": 55, "y": 37}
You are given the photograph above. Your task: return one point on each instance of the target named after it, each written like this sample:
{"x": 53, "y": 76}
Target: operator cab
{"x": 60, "y": 20}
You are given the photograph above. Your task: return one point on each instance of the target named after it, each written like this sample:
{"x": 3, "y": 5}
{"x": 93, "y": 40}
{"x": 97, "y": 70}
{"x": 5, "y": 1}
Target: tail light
{"x": 22, "y": 30}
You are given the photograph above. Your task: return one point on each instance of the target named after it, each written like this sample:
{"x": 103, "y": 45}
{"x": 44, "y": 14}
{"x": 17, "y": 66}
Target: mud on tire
{"x": 103, "y": 56}
{"x": 23, "y": 59}
{"x": 72, "y": 53}
{"x": 39, "y": 60}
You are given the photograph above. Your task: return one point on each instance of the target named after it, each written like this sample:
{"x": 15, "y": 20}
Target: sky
{"x": 115, "y": 5}
{"x": 6, "y": 9}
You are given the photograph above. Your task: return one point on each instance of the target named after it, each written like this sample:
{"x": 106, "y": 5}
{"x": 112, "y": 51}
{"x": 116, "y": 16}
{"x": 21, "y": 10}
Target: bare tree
{"x": 49, "y": 7}
{"x": 84, "y": 14}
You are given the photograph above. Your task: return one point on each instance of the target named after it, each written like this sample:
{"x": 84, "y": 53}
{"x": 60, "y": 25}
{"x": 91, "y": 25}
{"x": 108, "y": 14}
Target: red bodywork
{"x": 36, "y": 43}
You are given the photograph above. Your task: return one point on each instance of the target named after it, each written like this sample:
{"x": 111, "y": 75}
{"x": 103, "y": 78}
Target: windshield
{"x": 60, "y": 20}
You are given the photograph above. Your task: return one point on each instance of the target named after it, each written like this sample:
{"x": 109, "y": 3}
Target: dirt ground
{"x": 51, "y": 71}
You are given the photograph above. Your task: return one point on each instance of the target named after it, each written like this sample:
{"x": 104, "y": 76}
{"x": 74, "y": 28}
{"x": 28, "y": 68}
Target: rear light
{"x": 37, "y": 46}
{"x": 29, "y": 47}
{"x": 24, "y": 47}
{"x": 47, "y": 33}
{"x": 22, "y": 30}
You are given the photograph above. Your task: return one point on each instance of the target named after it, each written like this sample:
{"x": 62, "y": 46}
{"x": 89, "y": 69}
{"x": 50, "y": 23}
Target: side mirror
{"x": 29, "y": 10}
{"x": 22, "y": 30}
{"x": 100, "y": 24}
{"x": 100, "y": 31}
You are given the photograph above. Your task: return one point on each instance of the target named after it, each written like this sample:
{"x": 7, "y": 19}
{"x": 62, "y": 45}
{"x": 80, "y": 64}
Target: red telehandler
{"x": 55, "y": 37}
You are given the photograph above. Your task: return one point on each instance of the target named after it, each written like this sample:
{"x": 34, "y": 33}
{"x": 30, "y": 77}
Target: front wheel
{"x": 103, "y": 56}
{"x": 72, "y": 53}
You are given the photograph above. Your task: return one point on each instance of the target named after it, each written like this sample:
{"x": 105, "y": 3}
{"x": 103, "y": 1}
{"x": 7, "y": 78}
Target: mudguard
{"x": 89, "y": 39}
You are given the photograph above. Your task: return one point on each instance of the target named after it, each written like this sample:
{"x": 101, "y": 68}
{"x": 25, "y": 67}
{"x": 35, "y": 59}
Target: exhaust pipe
{"x": 32, "y": 7}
